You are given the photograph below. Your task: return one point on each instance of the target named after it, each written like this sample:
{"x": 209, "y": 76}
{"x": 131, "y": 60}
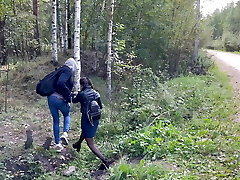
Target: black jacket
{"x": 84, "y": 96}
{"x": 64, "y": 83}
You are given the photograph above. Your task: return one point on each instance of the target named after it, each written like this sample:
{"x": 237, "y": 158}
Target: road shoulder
{"x": 234, "y": 76}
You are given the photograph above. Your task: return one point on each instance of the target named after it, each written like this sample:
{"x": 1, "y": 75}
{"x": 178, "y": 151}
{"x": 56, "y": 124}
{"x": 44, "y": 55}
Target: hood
{"x": 71, "y": 63}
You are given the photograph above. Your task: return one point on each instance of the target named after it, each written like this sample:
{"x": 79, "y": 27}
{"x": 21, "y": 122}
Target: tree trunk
{"x": 66, "y": 26}
{"x": 22, "y": 46}
{"x": 2, "y": 42}
{"x": 174, "y": 58}
{"x": 36, "y": 30}
{"x": 97, "y": 30}
{"x": 54, "y": 31}
{"x": 77, "y": 43}
{"x": 198, "y": 18}
{"x": 60, "y": 27}
{"x": 109, "y": 51}
{"x": 85, "y": 41}
{"x": 69, "y": 28}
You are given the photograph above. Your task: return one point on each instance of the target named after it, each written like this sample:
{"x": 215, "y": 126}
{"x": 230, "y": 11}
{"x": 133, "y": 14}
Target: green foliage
{"x": 156, "y": 30}
{"x": 137, "y": 172}
{"x": 159, "y": 33}
{"x": 225, "y": 28}
{"x": 183, "y": 121}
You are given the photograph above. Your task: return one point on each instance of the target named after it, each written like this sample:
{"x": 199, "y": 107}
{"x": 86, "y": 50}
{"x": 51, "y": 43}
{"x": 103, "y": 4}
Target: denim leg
{"x": 53, "y": 106}
{"x": 65, "y": 109}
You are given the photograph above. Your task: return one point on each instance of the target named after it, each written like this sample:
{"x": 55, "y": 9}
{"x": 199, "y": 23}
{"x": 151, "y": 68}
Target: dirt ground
{"x": 234, "y": 76}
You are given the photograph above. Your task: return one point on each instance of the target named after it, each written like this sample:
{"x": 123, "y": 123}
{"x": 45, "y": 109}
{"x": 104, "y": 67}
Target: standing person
{"x": 59, "y": 101}
{"x": 89, "y": 128}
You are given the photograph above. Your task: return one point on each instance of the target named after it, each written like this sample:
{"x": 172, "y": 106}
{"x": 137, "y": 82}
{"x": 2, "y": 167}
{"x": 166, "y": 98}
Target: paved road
{"x": 229, "y": 58}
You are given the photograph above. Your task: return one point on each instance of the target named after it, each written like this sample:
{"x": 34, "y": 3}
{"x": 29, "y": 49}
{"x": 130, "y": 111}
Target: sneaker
{"x": 64, "y": 138}
{"x": 59, "y": 148}
{"x": 76, "y": 146}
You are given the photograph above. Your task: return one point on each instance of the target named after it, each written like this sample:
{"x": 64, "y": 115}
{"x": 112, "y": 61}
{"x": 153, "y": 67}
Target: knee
{"x": 56, "y": 123}
{"x": 90, "y": 142}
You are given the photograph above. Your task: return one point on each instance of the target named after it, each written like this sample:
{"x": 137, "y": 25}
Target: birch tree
{"x": 77, "y": 43}
{"x": 109, "y": 51}
{"x": 54, "y": 31}
{"x": 66, "y": 26}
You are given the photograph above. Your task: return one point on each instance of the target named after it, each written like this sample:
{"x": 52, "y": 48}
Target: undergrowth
{"x": 180, "y": 128}
{"x": 186, "y": 121}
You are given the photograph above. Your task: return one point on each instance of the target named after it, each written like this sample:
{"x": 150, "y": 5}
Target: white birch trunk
{"x": 66, "y": 26}
{"x": 61, "y": 27}
{"x": 198, "y": 18}
{"x": 77, "y": 43}
{"x": 54, "y": 31}
{"x": 109, "y": 51}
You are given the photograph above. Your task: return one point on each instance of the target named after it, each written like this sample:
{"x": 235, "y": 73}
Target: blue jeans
{"x": 55, "y": 105}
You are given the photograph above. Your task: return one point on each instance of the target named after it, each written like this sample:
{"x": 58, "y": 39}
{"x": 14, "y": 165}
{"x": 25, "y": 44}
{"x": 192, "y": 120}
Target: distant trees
{"x": 198, "y": 19}
{"x": 159, "y": 34}
{"x": 2, "y": 41}
{"x": 225, "y": 28}
{"x": 4, "y": 8}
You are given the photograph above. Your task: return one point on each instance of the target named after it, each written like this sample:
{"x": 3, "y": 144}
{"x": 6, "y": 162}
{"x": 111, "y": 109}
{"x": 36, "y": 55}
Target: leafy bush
{"x": 180, "y": 120}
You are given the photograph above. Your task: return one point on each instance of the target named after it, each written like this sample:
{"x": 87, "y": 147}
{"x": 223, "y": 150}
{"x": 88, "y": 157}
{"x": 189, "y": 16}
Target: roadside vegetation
{"x": 154, "y": 128}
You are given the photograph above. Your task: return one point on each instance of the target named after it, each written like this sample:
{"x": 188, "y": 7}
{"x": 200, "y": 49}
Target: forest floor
{"x": 28, "y": 111}
{"x": 23, "y": 115}
{"x": 233, "y": 74}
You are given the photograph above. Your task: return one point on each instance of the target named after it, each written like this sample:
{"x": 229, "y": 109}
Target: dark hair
{"x": 85, "y": 82}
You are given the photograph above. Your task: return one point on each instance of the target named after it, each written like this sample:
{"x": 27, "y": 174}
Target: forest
{"x": 222, "y": 29}
{"x": 168, "y": 110}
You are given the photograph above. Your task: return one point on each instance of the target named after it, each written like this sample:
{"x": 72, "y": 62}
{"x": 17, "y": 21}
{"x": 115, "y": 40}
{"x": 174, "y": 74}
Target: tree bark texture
{"x": 54, "y": 31}
{"x": 36, "y": 30}
{"x": 69, "y": 28}
{"x": 2, "y": 42}
{"x": 66, "y": 26}
{"x": 60, "y": 26}
{"x": 77, "y": 43}
{"x": 109, "y": 51}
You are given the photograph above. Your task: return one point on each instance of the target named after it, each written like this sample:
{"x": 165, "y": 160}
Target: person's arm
{"x": 99, "y": 102}
{"x": 78, "y": 98}
{"x": 62, "y": 87}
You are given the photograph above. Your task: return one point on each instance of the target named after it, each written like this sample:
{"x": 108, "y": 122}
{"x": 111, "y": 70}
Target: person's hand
{"x": 68, "y": 99}
{"x": 73, "y": 94}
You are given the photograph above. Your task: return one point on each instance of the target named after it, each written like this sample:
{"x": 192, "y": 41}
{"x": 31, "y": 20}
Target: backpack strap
{"x": 88, "y": 93}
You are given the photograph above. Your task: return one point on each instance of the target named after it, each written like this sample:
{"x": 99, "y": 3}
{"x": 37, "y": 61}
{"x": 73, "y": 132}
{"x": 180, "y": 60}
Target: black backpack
{"x": 93, "y": 108}
{"x": 46, "y": 86}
